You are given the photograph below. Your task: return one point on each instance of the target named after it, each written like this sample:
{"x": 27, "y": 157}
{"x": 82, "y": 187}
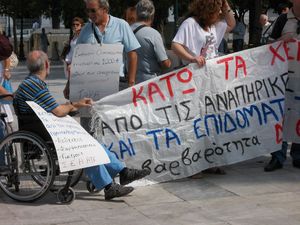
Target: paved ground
{"x": 244, "y": 196}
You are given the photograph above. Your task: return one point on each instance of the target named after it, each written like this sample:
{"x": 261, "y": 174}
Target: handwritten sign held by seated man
{"x": 75, "y": 147}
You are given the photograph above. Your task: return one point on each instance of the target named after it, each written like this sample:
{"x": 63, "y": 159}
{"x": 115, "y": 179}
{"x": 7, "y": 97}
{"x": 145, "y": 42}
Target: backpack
{"x": 5, "y": 48}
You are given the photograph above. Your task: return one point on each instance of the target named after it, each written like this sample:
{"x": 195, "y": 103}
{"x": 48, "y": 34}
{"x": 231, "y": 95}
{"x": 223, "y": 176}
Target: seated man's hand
{"x": 85, "y": 102}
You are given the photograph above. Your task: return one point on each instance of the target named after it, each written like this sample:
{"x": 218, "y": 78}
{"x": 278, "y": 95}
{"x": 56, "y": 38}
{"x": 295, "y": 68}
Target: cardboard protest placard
{"x": 74, "y": 146}
{"x": 194, "y": 118}
{"x": 95, "y": 71}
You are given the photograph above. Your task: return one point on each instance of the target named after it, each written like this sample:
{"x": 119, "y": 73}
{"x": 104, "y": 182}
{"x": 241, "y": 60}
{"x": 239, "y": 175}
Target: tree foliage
{"x": 66, "y": 10}
{"x": 71, "y": 9}
{"x": 21, "y": 8}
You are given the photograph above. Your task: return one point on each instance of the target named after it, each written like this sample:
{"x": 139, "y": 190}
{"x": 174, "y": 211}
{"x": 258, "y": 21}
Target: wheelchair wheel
{"x": 28, "y": 160}
{"x": 61, "y": 179}
{"x": 66, "y": 196}
{"x": 91, "y": 188}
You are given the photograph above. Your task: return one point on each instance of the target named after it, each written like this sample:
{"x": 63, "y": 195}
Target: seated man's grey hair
{"x": 145, "y": 10}
{"x": 36, "y": 61}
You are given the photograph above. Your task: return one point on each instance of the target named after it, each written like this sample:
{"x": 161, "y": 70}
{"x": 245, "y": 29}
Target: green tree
{"x": 71, "y": 9}
{"x": 20, "y": 9}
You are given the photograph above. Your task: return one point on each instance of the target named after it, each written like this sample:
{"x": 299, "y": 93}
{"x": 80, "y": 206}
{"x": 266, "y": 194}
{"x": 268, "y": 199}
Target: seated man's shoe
{"x": 296, "y": 163}
{"x": 129, "y": 175}
{"x": 274, "y": 164}
{"x": 116, "y": 190}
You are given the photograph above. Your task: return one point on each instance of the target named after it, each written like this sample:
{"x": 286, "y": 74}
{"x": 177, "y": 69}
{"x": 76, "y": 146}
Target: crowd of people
{"x": 197, "y": 39}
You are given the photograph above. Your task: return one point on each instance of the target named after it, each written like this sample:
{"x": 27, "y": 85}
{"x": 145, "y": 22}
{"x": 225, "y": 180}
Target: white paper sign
{"x": 194, "y": 118}
{"x": 95, "y": 71}
{"x": 74, "y": 146}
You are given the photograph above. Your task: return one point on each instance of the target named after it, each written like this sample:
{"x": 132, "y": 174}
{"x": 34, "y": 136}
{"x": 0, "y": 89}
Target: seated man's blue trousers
{"x": 103, "y": 175}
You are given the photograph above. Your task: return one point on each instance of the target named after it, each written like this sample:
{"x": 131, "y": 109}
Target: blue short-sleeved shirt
{"x": 36, "y": 90}
{"x": 116, "y": 31}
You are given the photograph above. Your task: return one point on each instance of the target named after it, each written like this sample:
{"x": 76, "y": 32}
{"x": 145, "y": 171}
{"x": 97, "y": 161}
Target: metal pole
{"x": 8, "y": 28}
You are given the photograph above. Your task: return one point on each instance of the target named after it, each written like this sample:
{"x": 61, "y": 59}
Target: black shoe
{"x": 296, "y": 163}
{"x": 116, "y": 190}
{"x": 274, "y": 164}
{"x": 129, "y": 175}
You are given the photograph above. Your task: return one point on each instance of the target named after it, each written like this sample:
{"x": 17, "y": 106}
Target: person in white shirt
{"x": 200, "y": 35}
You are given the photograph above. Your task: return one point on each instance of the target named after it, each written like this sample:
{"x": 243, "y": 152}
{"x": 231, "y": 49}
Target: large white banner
{"x": 95, "y": 71}
{"x": 194, "y": 118}
{"x": 74, "y": 146}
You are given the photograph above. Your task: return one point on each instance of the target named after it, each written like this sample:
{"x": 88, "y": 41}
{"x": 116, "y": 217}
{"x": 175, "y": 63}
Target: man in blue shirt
{"x": 107, "y": 29}
{"x": 34, "y": 88}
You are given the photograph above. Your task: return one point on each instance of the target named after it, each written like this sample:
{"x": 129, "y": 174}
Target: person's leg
{"x": 277, "y": 159}
{"x": 295, "y": 154}
{"x": 99, "y": 176}
{"x": 103, "y": 175}
{"x": 281, "y": 154}
{"x": 240, "y": 44}
{"x": 115, "y": 166}
{"x": 235, "y": 45}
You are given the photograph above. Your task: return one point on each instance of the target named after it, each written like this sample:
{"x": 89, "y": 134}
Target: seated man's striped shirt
{"x": 36, "y": 90}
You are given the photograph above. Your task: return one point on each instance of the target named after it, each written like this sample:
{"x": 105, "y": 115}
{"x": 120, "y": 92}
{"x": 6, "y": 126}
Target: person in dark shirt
{"x": 287, "y": 26}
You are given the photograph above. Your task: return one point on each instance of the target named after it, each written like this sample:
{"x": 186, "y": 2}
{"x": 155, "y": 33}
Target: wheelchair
{"x": 29, "y": 167}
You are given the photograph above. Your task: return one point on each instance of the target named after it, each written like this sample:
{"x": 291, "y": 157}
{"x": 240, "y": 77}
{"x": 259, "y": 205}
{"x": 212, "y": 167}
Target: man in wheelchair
{"x": 34, "y": 88}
